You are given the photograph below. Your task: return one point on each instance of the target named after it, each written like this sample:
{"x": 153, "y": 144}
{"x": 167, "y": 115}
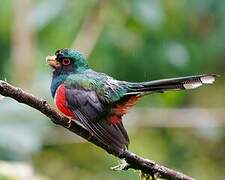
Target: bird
{"x": 98, "y": 102}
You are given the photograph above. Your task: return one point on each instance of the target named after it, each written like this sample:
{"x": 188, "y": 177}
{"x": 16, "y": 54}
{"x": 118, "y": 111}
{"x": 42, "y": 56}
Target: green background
{"x": 136, "y": 41}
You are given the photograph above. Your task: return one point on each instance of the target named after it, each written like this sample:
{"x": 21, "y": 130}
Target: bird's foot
{"x": 69, "y": 123}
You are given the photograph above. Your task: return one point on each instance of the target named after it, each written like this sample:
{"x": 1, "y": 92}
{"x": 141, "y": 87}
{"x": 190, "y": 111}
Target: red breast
{"x": 61, "y": 102}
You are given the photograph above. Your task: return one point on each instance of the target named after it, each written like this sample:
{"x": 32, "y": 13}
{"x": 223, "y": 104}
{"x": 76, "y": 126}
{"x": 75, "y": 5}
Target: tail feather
{"x": 181, "y": 83}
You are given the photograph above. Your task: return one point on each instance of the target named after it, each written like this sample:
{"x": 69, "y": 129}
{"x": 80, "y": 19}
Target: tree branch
{"x": 133, "y": 161}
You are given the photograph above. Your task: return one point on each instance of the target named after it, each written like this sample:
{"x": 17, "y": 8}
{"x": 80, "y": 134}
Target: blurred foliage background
{"x": 130, "y": 40}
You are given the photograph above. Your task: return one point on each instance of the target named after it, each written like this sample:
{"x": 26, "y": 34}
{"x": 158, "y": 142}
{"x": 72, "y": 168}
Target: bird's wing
{"x": 97, "y": 117}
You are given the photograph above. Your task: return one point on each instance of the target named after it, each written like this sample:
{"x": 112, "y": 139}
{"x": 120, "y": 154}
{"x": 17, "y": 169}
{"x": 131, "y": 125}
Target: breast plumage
{"x": 61, "y": 102}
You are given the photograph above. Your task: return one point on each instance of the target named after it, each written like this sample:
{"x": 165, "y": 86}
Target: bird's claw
{"x": 69, "y": 123}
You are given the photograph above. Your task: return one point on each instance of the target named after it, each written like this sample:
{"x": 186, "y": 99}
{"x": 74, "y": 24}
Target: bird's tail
{"x": 181, "y": 83}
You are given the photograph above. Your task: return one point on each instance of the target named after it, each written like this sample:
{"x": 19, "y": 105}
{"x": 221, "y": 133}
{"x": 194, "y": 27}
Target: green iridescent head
{"x": 67, "y": 60}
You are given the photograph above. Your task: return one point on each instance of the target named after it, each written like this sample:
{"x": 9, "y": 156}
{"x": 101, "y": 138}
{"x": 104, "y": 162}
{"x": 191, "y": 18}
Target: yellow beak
{"x": 51, "y": 60}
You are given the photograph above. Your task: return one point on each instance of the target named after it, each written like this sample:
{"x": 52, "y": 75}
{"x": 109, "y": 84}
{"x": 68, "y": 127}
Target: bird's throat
{"x": 57, "y": 80}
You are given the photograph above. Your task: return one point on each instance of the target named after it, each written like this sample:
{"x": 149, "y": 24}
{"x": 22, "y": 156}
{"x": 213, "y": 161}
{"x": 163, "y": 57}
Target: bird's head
{"x": 66, "y": 61}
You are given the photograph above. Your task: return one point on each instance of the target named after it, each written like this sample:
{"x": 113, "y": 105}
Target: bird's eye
{"x": 66, "y": 62}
